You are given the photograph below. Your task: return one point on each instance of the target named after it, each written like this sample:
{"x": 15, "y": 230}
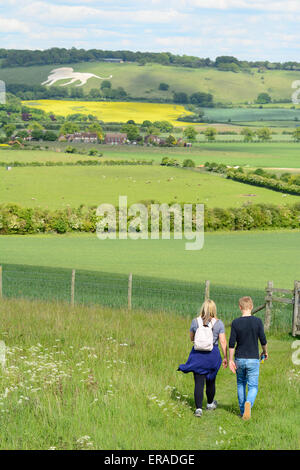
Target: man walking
{"x": 245, "y": 333}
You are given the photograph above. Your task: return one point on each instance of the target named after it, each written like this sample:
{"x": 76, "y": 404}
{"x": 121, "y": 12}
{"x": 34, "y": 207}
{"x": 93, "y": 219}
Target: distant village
{"x": 37, "y": 133}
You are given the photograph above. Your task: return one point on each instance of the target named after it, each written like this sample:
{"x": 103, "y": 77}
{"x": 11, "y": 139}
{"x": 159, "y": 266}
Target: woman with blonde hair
{"x": 205, "y": 361}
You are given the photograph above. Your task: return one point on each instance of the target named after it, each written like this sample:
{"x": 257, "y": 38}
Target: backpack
{"x": 203, "y": 340}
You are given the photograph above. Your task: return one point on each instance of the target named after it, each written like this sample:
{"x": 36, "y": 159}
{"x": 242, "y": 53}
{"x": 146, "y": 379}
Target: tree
{"x": 146, "y": 124}
{"x": 226, "y": 59}
{"x": 296, "y": 134}
{"x": 163, "y": 86}
{"x": 3, "y": 117}
{"x": 69, "y": 128}
{"x": 171, "y": 141}
{"x": 96, "y": 128}
{"x": 264, "y": 134}
{"x": 120, "y": 92}
{"x": 37, "y": 134}
{"x": 190, "y": 133}
{"x": 229, "y": 67}
{"x": 50, "y": 136}
{"x": 248, "y": 134}
{"x": 36, "y": 126}
{"x": 131, "y": 130}
{"x": 163, "y": 126}
{"x": 188, "y": 163}
{"x": 105, "y": 84}
{"x": 180, "y": 97}
{"x": 202, "y": 99}
{"x": 263, "y": 98}
{"x": 210, "y": 133}
{"x": 77, "y": 93}
{"x": 9, "y": 129}
{"x": 95, "y": 94}
{"x": 70, "y": 149}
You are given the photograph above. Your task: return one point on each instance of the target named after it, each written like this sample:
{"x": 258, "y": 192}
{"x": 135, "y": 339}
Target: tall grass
{"x": 102, "y": 378}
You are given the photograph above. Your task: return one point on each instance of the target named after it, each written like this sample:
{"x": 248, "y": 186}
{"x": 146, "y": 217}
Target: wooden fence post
{"x": 269, "y": 291}
{"x": 1, "y": 291}
{"x": 130, "y": 291}
{"x": 207, "y": 284}
{"x": 73, "y": 288}
{"x": 296, "y": 319}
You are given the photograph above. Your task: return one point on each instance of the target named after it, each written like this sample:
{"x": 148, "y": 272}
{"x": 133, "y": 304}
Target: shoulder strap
{"x": 200, "y": 322}
{"x": 213, "y": 322}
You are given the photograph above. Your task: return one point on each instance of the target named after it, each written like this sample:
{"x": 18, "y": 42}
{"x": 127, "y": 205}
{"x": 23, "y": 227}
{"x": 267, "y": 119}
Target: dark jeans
{"x": 200, "y": 380}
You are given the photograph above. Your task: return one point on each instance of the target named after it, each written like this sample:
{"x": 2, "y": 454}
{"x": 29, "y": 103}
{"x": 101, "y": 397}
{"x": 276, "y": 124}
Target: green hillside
{"x": 143, "y": 81}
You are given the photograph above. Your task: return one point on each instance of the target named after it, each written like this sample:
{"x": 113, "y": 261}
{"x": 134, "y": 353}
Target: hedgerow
{"x": 264, "y": 182}
{"x": 15, "y": 219}
{"x": 77, "y": 163}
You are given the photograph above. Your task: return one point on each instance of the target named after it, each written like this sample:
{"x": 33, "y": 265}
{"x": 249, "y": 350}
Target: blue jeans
{"x": 247, "y": 373}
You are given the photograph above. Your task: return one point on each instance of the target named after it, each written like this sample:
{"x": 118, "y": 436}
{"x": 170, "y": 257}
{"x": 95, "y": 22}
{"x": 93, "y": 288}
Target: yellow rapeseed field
{"x": 108, "y": 111}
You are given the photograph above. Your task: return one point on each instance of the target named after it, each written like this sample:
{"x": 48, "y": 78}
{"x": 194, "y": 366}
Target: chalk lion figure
{"x": 64, "y": 73}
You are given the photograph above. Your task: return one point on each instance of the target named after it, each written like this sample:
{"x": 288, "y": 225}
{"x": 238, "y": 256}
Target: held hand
{"x": 232, "y": 366}
{"x": 225, "y": 363}
{"x": 264, "y": 355}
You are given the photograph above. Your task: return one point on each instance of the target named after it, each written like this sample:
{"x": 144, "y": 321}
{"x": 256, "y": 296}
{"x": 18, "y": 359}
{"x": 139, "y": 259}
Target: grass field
{"x": 267, "y": 155}
{"x": 232, "y": 259}
{"x": 82, "y": 378}
{"x": 56, "y": 187}
{"x": 273, "y": 155}
{"x": 252, "y": 114}
{"x": 227, "y": 87}
{"x": 26, "y": 156}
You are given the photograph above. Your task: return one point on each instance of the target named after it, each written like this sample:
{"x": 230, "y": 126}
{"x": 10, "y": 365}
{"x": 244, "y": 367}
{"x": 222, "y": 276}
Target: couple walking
{"x": 205, "y": 359}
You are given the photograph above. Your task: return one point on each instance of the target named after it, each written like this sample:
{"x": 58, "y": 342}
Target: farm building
{"x": 26, "y": 117}
{"x": 115, "y": 138}
{"x": 86, "y": 137}
{"x": 119, "y": 61}
{"x": 27, "y": 137}
{"x": 152, "y": 139}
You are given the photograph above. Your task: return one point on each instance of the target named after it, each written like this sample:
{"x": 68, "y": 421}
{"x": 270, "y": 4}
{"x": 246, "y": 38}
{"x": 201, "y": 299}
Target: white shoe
{"x": 198, "y": 412}
{"x": 212, "y": 406}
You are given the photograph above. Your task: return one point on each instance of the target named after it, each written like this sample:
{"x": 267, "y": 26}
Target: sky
{"x": 247, "y": 29}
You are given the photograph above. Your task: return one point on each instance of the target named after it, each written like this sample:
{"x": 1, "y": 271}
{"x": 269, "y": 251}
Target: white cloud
{"x": 12, "y": 25}
{"x": 57, "y": 13}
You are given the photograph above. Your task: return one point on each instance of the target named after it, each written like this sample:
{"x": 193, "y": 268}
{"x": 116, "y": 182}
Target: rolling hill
{"x": 143, "y": 81}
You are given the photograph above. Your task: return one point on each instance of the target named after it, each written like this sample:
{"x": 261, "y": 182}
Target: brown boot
{"x": 247, "y": 412}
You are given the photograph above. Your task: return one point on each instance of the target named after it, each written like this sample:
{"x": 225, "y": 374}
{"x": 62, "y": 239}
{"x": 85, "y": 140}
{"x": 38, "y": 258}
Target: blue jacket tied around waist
{"x": 205, "y": 363}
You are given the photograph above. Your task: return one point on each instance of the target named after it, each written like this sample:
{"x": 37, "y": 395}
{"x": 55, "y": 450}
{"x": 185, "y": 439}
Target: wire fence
{"x": 131, "y": 291}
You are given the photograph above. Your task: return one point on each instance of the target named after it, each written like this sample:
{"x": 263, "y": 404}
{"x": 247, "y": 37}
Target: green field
{"x": 251, "y": 114}
{"x": 26, "y": 156}
{"x": 143, "y": 82}
{"x": 82, "y": 378}
{"x": 273, "y": 155}
{"x": 55, "y": 187}
{"x": 266, "y": 155}
{"x": 233, "y": 259}
{"x": 165, "y": 276}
